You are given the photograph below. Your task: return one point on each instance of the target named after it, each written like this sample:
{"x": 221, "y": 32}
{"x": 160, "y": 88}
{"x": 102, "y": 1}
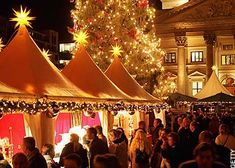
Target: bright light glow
{"x": 1, "y": 44}
{"x": 81, "y": 132}
{"x": 116, "y": 50}
{"x": 81, "y": 37}
{"x": 214, "y": 67}
{"x": 22, "y": 17}
{"x": 45, "y": 53}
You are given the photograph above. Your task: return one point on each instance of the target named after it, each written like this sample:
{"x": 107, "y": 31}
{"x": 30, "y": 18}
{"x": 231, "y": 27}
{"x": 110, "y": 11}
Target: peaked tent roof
{"x": 23, "y": 66}
{"x": 85, "y": 74}
{"x": 7, "y": 89}
{"x": 118, "y": 74}
{"x": 212, "y": 87}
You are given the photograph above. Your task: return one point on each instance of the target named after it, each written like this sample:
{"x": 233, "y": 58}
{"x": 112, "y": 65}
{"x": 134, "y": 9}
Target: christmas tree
{"x": 124, "y": 24}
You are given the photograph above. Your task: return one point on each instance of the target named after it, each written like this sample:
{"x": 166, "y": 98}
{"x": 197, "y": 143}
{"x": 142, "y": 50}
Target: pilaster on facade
{"x": 210, "y": 38}
{"x": 181, "y": 42}
{"x": 181, "y": 39}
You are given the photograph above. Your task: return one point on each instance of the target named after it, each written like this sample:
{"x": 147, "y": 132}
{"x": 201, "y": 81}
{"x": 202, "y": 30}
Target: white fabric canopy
{"x": 85, "y": 74}
{"x": 212, "y": 87}
{"x": 23, "y": 66}
{"x": 118, "y": 74}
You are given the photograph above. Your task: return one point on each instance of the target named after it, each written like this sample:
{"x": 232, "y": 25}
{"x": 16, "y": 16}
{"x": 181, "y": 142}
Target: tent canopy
{"x": 181, "y": 97}
{"x": 212, "y": 87}
{"x": 7, "y": 89}
{"x": 219, "y": 97}
{"x": 118, "y": 74}
{"x": 23, "y": 66}
{"x": 85, "y": 74}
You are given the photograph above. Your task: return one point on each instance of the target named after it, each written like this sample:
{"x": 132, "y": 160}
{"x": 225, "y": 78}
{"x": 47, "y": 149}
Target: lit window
{"x": 170, "y": 57}
{"x": 197, "y": 56}
{"x": 228, "y": 59}
{"x": 67, "y": 47}
{"x": 196, "y": 87}
{"x": 228, "y": 47}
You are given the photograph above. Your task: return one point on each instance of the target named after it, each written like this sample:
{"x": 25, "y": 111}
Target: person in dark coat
{"x": 222, "y": 154}
{"x": 157, "y": 125}
{"x": 172, "y": 153}
{"x": 161, "y": 143}
{"x": 96, "y": 146}
{"x": 74, "y": 147}
{"x": 204, "y": 158}
{"x": 185, "y": 139}
{"x": 73, "y": 161}
{"x": 194, "y": 134}
{"x": 35, "y": 158}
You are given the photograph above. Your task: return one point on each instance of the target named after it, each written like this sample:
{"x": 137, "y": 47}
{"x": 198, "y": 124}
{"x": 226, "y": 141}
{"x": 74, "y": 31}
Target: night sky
{"x": 50, "y": 14}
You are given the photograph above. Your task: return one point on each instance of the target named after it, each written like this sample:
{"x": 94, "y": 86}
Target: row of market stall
{"x": 212, "y": 94}
{"x": 32, "y": 86}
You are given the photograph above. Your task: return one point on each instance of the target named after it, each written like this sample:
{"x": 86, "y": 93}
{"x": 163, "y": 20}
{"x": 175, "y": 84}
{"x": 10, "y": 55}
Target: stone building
{"x": 196, "y": 35}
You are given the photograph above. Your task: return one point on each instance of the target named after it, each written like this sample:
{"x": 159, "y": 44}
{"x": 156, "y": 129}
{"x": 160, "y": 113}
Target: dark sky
{"x": 50, "y": 14}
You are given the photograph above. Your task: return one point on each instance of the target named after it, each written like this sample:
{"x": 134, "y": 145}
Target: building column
{"x": 210, "y": 39}
{"x": 181, "y": 42}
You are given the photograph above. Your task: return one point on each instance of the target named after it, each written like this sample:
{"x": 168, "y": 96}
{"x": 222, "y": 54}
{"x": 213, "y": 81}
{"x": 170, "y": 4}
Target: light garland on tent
{"x": 53, "y": 108}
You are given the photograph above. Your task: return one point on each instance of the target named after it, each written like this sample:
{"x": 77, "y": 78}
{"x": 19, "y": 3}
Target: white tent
{"x": 212, "y": 87}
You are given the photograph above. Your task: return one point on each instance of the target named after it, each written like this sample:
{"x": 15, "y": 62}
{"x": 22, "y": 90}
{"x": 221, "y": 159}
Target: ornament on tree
{"x": 127, "y": 23}
{"x": 143, "y": 4}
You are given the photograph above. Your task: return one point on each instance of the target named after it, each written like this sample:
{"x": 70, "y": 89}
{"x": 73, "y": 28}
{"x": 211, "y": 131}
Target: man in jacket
{"x": 96, "y": 146}
{"x": 35, "y": 158}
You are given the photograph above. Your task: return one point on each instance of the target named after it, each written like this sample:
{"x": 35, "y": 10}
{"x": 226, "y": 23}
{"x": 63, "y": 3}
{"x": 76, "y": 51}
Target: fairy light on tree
{"x": 127, "y": 24}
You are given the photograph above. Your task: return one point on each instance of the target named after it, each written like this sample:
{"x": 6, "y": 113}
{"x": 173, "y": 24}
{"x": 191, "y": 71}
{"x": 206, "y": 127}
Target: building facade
{"x": 196, "y": 36}
{"x": 48, "y": 40}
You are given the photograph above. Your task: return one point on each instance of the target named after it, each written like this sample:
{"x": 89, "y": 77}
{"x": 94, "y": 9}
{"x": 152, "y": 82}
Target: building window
{"x": 228, "y": 59}
{"x": 170, "y": 57}
{"x": 228, "y": 47}
{"x": 197, "y": 86}
{"x": 197, "y": 56}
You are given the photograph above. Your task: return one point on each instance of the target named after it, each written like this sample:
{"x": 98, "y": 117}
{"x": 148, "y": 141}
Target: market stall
{"x": 24, "y": 67}
{"x": 118, "y": 74}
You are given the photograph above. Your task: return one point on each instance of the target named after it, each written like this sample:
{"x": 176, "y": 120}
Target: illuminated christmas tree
{"x": 127, "y": 24}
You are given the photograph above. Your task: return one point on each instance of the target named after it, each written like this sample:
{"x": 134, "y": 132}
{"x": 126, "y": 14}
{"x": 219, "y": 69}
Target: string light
{"x": 1, "y": 44}
{"x": 22, "y": 17}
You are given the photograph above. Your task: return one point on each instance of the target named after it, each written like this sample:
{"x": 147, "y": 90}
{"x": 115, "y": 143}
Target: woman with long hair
{"x": 118, "y": 147}
{"x": 140, "y": 150}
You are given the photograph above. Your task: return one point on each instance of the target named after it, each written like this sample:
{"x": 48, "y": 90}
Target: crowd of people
{"x": 195, "y": 141}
